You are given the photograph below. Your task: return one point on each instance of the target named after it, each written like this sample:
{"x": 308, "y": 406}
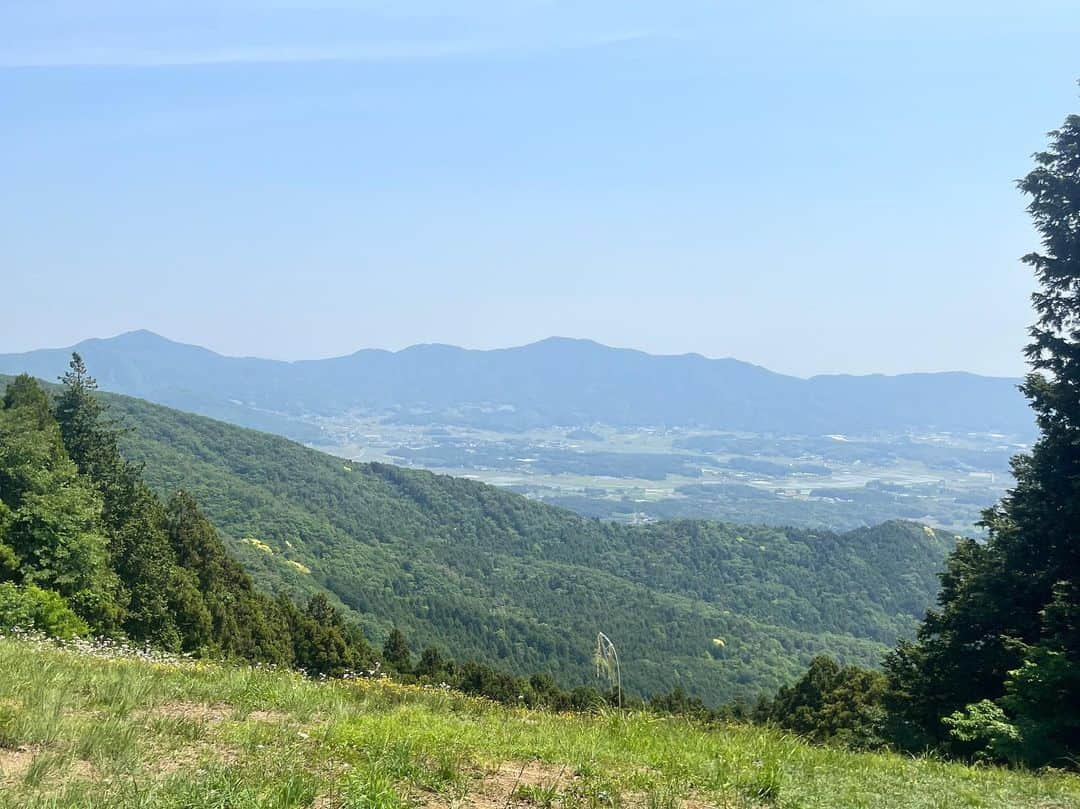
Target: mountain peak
{"x": 137, "y": 336}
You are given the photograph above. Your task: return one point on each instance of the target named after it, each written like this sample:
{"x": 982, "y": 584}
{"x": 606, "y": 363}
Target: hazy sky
{"x": 812, "y": 186}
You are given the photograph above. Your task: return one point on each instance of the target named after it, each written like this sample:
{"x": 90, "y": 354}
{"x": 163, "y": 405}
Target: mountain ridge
{"x": 556, "y": 381}
{"x": 147, "y": 336}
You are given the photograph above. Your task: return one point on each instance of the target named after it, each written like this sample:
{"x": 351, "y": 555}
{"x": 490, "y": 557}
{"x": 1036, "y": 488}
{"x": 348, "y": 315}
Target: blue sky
{"x": 812, "y": 186}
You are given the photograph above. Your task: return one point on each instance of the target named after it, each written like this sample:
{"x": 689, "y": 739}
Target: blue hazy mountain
{"x": 557, "y": 381}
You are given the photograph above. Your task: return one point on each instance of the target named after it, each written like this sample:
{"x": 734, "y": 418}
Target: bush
{"x": 985, "y": 727}
{"x": 1032, "y": 723}
{"x": 31, "y": 607}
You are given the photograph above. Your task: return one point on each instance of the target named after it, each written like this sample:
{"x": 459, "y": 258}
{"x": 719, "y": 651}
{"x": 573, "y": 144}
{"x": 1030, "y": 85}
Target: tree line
{"x": 87, "y": 548}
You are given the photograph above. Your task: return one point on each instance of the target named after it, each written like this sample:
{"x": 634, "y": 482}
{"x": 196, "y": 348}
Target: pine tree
{"x": 162, "y": 602}
{"x": 92, "y": 440}
{"x": 1004, "y": 644}
{"x": 396, "y": 652}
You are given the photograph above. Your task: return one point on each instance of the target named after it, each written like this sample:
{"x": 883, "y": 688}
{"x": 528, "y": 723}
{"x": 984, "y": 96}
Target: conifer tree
{"x": 90, "y": 437}
{"x": 162, "y": 601}
{"x": 396, "y": 652}
{"x": 997, "y": 667}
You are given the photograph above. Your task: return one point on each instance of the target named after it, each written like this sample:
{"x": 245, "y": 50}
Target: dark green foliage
{"x": 432, "y": 664}
{"x": 242, "y": 623}
{"x": 479, "y": 679}
{"x": 999, "y": 659}
{"x": 476, "y": 678}
{"x": 1041, "y": 697}
{"x": 320, "y": 639}
{"x": 538, "y": 690}
{"x": 180, "y": 589}
{"x": 91, "y": 437}
{"x": 162, "y": 602}
{"x": 352, "y": 648}
{"x": 678, "y": 702}
{"x": 164, "y": 605}
{"x": 831, "y": 703}
{"x": 396, "y": 653}
{"x": 29, "y": 397}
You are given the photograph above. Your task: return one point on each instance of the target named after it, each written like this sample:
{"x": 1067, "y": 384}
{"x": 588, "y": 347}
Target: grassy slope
{"x": 491, "y": 575}
{"x": 79, "y": 731}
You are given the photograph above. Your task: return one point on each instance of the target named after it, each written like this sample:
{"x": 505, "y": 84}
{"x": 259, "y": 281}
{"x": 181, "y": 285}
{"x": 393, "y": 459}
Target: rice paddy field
{"x": 100, "y": 727}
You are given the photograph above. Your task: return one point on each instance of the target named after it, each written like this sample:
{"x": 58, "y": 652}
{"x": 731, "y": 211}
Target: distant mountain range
{"x": 557, "y": 381}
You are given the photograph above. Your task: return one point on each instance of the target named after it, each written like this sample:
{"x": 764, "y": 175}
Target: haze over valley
{"x": 613, "y": 433}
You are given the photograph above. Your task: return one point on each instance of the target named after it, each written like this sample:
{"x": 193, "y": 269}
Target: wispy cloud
{"x": 375, "y": 52}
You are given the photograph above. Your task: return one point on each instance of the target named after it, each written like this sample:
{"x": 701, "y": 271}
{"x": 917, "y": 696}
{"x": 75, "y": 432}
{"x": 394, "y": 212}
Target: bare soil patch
{"x": 14, "y": 762}
{"x": 508, "y": 785}
{"x": 195, "y": 711}
{"x": 514, "y": 785}
{"x": 190, "y": 758}
{"x": 274, "y": 717}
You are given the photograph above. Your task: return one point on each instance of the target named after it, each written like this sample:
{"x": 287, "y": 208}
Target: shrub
{"x": 985, "y": 726}
{"x": 31, "y": 607}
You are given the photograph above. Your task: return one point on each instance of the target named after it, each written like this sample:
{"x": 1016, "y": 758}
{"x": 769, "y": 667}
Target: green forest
{"x": 86, "y": 547}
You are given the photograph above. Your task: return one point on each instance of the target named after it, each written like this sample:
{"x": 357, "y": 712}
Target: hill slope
{"x": 487, "y": 574}
{"x": 553, "y": 382}
{"x": 85, "y": 731}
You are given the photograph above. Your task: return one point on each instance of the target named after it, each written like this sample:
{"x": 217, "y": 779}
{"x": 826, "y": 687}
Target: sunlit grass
{"x": 95, "y": 731}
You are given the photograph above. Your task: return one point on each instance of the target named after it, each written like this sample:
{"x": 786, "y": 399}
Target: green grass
{"x": 92, "y": 731}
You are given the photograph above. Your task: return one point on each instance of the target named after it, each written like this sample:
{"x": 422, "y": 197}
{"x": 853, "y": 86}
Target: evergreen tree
{"x": 431, "y": 663}
{"x": 163, "y": 604}
{"x": 1002, "y": 650}
{"x": 80, "y": 529}
{"x": 396, "y": 652}
{"x": 319, "y": 643}
{"x": 25, "y": 393}
{"x": 239, "y": 621}
{"x": 91, "y": 438}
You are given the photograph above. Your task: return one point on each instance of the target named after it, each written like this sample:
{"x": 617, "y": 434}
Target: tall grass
{"x": 98, "y": 731}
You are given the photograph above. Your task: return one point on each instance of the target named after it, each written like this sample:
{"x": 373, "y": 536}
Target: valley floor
{"x": 92, "y": 728}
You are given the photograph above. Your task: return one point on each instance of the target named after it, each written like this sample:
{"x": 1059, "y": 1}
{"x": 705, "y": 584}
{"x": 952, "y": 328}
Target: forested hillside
{"x": 723, "y": 611}
{"x": 87, "y": 548}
